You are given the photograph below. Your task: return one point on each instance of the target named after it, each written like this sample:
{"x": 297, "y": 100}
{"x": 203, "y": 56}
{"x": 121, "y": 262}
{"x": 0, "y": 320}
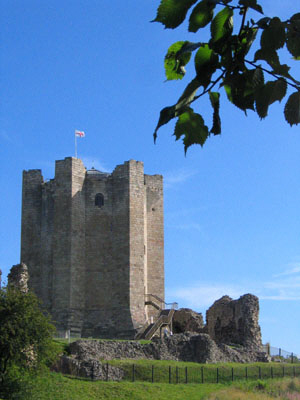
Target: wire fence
{"x": 201, "y": 375}
{"x": 278, "y": 354}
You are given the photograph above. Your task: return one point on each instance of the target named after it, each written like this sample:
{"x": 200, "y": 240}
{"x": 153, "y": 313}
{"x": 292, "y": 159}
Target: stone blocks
{"x": 92, "y": 263}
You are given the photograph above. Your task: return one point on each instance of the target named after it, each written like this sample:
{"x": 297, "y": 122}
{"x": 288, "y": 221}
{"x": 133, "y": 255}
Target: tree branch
{"x": 209, "y": 88}
{"x": 221, "y": 3}
{"x": 273, "y": 74}
{"x": 243, "y": 20}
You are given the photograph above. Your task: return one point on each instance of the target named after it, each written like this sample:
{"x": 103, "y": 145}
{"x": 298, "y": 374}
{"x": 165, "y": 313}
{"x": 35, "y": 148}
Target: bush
{"x": 25, "y": 339}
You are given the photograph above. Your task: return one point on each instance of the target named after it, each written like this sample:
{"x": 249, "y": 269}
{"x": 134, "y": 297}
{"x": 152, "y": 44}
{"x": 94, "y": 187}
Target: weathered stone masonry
{"x": 94, "y": 246}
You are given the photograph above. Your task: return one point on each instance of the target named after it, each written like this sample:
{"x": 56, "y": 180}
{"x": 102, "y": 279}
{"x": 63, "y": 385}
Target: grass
{"x": 280, "y": 389}
{"x": 66, "y": 341}
{"x": 53, "y": 386}
{"x": 178, "y": 372}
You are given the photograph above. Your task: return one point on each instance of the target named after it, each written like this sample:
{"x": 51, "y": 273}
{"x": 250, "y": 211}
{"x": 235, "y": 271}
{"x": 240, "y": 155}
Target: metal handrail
{"x": 163, "y": 319}
{"x": 173, "y": 305}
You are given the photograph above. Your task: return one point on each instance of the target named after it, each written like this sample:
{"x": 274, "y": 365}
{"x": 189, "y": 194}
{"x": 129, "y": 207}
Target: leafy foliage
{"x": 25, "y": 334}
{"x": 176, "y": 59}
{"x": 224, "y": 61}
{"x": 201, "y": 16}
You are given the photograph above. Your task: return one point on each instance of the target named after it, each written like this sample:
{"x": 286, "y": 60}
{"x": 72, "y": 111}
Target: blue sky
{"x": 232, "y": 209}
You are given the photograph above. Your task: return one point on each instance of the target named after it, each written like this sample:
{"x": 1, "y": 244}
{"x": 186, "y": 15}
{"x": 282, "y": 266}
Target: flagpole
{"x": 75, "y": 146}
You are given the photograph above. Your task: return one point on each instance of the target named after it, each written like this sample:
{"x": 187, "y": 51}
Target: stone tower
{"x": 94, "y": 246}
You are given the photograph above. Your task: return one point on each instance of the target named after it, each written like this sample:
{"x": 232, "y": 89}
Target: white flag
{"x": 79, "y": 133}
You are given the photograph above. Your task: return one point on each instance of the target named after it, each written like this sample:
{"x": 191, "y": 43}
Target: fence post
{"x": 170, "y": 378}
{"x": 133, "y": 373}
{"x": 283, "y": 372}
{"x": 176, "y": 374}
{"x": 106, "y": 371}
{"x": 152, "y": 374}
{"x": 186, "y": 374}
{"x": 294, "y": 371}
{"x": 217, "y": 375}
{"x": 272, "y": 376}
{"x": 246, "y": 373}
{"x": 202, "y": 375}
{"x": 279, "y": 352}
{"x": 292, "y": 358}
{"x": 259, "y": 372}
{"x": 232, "y": 374}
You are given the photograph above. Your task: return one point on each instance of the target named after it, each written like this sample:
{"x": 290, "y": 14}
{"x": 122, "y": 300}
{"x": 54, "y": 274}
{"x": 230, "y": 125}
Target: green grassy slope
{"x": 53, "y": 386}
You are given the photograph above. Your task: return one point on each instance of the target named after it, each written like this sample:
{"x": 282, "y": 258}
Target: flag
{"x": 79, "y": 133}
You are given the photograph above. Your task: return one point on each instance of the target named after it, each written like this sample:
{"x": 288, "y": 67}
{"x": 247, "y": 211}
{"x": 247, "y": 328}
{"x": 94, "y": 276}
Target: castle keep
{"x": 94, "y": 246}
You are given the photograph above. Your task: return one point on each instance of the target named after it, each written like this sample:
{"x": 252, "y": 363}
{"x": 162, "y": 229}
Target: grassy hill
{"x": 53, "y": 386}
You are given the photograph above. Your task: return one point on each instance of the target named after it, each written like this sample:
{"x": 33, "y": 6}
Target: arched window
{"x": 99, "y": 200}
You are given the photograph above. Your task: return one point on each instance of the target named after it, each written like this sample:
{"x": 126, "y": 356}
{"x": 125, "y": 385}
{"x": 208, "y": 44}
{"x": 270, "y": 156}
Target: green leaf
{"x": 191, "y": 126}
{"x": 206, "y": 63}
{"x": 166, "y": 114}
{"x": 174, "y": 64}
{"x": 251, "y": 4}
{"x": 293, "y": 36}
{"x": 269, "y": 93}
{"x": 214, "y": 98}
{"x": 246, "y": 39}
{"x": 171, "y": 13}
{"x": 222, "y": 24}
{"x": 292, "y": 109}
{"x": 188, "y": 95}
{"x": 239, "y": 89}
{"x": 268, "y": 55}
{"x": 273, "y": 36}
{"x": 279, "y": 90}
{"x": 263, "y": 22}
{"x": 283, "y": 70}
{"x": 258, "y": 78}
{"x": 182, "y": 104}
{"x": 201, "y": 15}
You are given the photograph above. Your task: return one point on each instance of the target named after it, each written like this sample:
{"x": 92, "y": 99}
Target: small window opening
{"x": 99, "y": 200}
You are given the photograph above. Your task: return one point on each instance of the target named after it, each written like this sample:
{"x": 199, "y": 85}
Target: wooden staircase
{"x": 164, "y": 317}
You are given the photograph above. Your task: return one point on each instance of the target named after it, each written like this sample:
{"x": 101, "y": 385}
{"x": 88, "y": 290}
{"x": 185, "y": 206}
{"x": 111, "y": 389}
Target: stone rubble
{"x": 85, "y": 354}
{"x": 231, "y": 334}
{"x": 235, "y": 322}
{"x": 187, "y": 320}
{"x": 18, "y": 277}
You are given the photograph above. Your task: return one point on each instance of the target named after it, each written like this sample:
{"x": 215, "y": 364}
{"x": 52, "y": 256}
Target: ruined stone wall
{"x": 18, "y": 277}
{"x": 235, "y": 321}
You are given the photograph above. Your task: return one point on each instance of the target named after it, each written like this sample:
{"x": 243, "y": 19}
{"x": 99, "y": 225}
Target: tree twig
{"x": 243, "y": 20}
{"x": 210, "y": 87}
{"x": 273, "y": 74}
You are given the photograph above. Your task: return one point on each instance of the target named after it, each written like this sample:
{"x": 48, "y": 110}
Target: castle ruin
{"x": 94, "y": 246}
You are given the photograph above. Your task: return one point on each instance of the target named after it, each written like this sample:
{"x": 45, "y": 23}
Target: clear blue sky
{"x": 232, "y": 209}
